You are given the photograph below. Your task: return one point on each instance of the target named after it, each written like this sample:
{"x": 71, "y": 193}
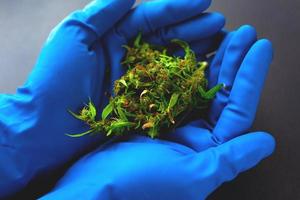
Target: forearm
{"x": 14, "y": 123}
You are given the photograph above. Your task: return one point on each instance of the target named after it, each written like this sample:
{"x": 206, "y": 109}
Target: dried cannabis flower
{"x": 156, "y": 93}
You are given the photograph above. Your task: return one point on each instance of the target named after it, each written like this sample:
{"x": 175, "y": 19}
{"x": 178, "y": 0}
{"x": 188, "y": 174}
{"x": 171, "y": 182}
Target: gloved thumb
{"x": 95, "y": 19}
{"x": 224, "y": 162}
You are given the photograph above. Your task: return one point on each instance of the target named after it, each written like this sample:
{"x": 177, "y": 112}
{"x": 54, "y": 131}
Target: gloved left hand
{"x": 71, "y": 68}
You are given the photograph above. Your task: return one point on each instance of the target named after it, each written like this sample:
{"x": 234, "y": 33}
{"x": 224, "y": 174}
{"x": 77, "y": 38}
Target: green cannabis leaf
{"x": 107, "y": 110}
{"x": 173, "y": 101}
{"x": 157, "y": 92}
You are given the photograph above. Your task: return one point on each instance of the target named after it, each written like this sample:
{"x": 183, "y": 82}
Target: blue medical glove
{"x": 72, "y": 68}
{"x": 192, "y": 161}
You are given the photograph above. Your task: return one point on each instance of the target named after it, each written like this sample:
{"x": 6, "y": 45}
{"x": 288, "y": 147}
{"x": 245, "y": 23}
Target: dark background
{"x": 25, "y": 24}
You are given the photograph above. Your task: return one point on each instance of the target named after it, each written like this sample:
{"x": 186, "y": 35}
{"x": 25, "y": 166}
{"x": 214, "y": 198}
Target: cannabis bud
{"x": 156, "y": 93}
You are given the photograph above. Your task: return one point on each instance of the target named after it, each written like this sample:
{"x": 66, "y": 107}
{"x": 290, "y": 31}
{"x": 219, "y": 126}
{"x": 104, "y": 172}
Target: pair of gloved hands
{"x": 188, "y": 163}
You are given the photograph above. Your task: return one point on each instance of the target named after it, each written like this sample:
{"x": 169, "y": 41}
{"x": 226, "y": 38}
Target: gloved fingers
{"x": 234, "y": 54}
{"x": 152, "y": 15}
{"x": 239, "y": 113}
{"x": 95, "y": 19}
{"x": 194, "y": 137}
{"x": 198, "y": 28}
{"x": 216, "y": 62}
{"x": 238, "y": 47}
{"x": 114, "y": 47}
{"x": 223, "y": 163}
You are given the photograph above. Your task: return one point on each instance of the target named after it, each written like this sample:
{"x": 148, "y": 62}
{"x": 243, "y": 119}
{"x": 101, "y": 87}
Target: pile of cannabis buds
{"x": 156, "y": 93}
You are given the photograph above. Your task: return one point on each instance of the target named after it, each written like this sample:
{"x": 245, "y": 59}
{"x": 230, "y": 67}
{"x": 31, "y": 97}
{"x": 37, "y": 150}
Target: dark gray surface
{"x": 25, "y": 24}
